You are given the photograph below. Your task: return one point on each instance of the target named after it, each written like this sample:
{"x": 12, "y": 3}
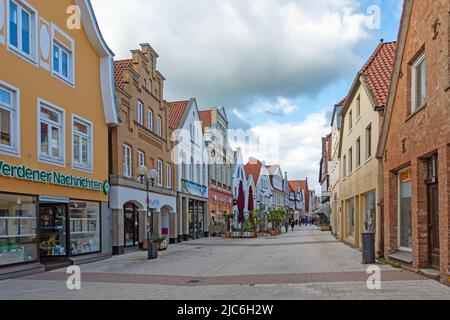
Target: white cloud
{"x": 297, "y": 147}
{"x": 231, "y": 52}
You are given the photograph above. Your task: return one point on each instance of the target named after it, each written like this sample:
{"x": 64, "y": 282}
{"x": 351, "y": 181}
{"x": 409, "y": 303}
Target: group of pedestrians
{"x": 288, "y": 224}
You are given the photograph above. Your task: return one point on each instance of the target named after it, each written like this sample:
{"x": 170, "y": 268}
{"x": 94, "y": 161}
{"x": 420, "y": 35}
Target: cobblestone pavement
{"x": 306, "y": 264}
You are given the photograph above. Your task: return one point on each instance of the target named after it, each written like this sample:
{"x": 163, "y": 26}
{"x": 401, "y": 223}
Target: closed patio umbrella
{"x": 251, "y": 207}
{"x": 241, "y": 203}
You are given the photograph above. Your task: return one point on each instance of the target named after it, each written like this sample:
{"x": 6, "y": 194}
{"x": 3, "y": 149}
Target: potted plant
{"x": 162, "y": 241}
{"x": 237, "y": 233}
{"x": 249, "y": 230}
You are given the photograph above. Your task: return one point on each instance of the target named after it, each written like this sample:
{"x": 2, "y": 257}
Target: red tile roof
{"x": 378, "y": 71}
{"x": 298, "y": 183}
{"x": 253, "y": 168}
{"x": 119, "y": 67}
{"x": 176, "y": 112}
{"x": 206, "y": 118}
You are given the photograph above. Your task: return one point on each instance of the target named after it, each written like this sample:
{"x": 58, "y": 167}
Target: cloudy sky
{"x": 278, "y": 66}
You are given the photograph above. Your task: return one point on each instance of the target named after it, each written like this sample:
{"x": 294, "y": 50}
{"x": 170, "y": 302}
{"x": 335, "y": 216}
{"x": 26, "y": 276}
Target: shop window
{"x": 9, "y": 119}
{"x": 351, "y": 217}
{"x": 84, "y": 227}
{"x": 22, "y": 29}
{"x": 82, "y": 143}
{"x": 18, "y": 234}
{"x": 405, "y": 218}
{"x": 370, "y": 212}
{"x": 51, "y": 133}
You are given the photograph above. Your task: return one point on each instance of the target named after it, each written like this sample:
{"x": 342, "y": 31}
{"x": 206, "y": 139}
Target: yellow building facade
{"x": 56, "y": 103}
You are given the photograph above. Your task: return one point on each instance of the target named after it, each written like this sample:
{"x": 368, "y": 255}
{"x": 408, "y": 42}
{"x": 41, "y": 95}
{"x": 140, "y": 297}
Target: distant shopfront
{"x": 46, "y": 229}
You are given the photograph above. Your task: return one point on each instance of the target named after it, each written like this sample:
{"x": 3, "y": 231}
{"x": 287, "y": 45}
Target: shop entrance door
{"x": 131, "y": 225}
{"x": 53, "y": 236}
{"x": 433, "y": 226}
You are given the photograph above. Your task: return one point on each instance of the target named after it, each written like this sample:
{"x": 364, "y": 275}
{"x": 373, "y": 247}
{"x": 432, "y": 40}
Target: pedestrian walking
{"x": 286, "y": 225}
{"x": 293, "y": 225}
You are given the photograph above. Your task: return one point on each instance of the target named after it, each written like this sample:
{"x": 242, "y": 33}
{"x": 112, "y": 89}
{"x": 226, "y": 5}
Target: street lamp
{"x": 149, "y": 176}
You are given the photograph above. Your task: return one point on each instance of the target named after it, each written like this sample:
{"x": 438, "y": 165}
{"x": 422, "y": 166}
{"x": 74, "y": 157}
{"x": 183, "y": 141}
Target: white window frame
{"x": 89, "y": 137}
{"x": 150, "y": 119}
{"x": 23, "y": 6}
{"x": 62, "y": 127}
{"x": 141, "y": 158}
{"x": 127, "y": 154}
{"x": 420, "y": 59}
{"x": 159, "y": 168}
{"x": 70, "y": 79}
{"x": 159, "y": 126}
{"x": 168, "y": 176}
{"x": 14, "y": 108}
{"x": 140, "y": 112}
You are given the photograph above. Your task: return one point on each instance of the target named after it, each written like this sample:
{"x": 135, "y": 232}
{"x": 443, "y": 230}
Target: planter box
{"x": 249, "y": 234}
{"x": 228, "y": 235}
{"x": 237, "y": 235}
{"x": 163, "y": 245}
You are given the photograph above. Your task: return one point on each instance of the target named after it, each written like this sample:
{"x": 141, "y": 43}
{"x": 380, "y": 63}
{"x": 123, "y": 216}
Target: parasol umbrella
{"x": 241, "y": 203}
{"x": 251, "y": 207}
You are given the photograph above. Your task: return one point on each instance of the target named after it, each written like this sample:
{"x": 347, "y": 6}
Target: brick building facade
{"x": 415, "y": 141}
{"x": 141, "y": 140}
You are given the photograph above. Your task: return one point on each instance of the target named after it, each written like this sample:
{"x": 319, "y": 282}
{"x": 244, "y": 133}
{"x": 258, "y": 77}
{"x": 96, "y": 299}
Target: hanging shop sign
{"x": 22, "y": 172}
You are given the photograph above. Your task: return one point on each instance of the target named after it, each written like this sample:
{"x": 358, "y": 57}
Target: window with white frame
{"x": 159, "y": 126}
{"x": 159, "y": 168}
{"x": 150, "y": 120}
{"x": 139, "y": 113}
{"x": 82, "y": 143}
{"x": 62, "y": 61}
{"x": 418, "y": 79}
{"x": 141, "y": 158}
{"x": 127, "y": 157}
{"x": 51, "y": 133}
{"x": 168, "y": 176}
{"x": 22, "y": 29}
{"x": 9, "y": 119}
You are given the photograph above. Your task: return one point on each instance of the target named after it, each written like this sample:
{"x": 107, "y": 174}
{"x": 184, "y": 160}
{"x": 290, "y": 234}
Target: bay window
{"x": 51, "y": 133}
{"x": 82, "y": 143}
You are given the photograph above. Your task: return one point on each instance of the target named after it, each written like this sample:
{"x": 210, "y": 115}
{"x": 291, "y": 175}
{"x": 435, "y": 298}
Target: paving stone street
{"x": 307, "y": 264}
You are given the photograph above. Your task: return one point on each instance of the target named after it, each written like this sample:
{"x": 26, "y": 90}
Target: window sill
{"x": 82, "y": 168}
{"x": 9, "y": 152}
{"x": 59, "y": 163}
{"x": 23, "y": 56}
{"x": 402, "y": 255}
{"x": 368, "y": 160}
{"x": 418, "y": 110}
{"x": 64, "y": 80}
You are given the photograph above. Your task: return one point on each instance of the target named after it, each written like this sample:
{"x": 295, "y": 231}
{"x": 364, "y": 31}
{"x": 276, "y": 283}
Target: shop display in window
{"x": 17, "y": 229}
{"x": 85, "y": 227}
{"x": 53, "y": 230}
